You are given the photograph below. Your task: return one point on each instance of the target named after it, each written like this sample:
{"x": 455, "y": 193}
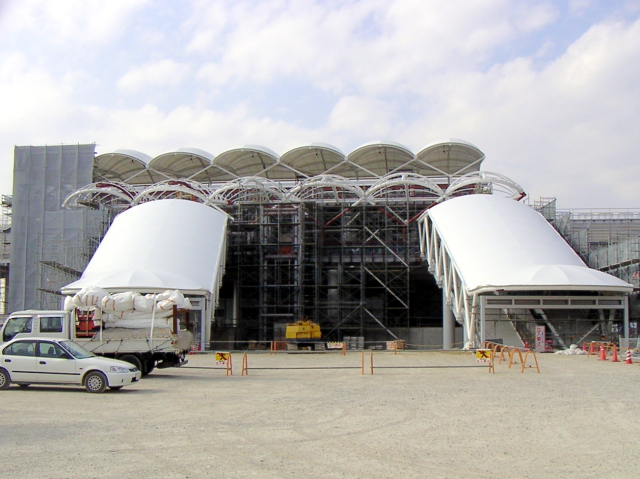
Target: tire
{"x": 115, "y": 388}
{"x": 134, "y": 360}
{"x": 5, "y": 379}
{"x": 150, "y": 365}
{"x": 95, "y": 382}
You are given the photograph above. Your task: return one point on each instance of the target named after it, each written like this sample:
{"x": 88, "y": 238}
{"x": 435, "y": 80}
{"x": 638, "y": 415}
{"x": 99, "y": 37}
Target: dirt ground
{"x": 577, "y": 418}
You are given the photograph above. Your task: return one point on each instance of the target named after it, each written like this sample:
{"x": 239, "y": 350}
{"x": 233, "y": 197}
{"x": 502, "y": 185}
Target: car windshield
{"x": 76, "y": 350}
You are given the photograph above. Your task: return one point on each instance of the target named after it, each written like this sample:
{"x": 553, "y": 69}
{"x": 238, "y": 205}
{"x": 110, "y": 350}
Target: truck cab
{"x": 53, "y": 324}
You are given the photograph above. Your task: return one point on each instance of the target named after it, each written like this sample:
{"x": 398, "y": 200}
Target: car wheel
{"x": 95, "y": 382}
{"x": 5, "y": 379}
{"x": 131, "y": 359}
{"x": 115, "y": 388}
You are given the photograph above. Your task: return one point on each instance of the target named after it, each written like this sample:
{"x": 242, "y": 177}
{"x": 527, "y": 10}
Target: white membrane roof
{"x": 497, "y": 243}
{"x": 159, "y": 245}
{"x": 371, "y": 160}
{"x": 453, "y": 157}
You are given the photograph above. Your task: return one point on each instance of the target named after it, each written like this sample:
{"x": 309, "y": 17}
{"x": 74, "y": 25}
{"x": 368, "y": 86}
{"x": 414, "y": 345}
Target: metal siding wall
{"x": 42, "y": 177}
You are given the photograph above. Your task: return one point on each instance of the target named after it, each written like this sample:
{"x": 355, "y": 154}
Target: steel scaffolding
{"x": 5, "y": 250}
{"x": 346, "y": 267}
{"x": 60, "y": 261}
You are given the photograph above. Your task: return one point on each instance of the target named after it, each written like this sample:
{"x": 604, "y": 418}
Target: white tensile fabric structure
{"x": 446, "y": 158}
{"x": 169, "y": 244}
{"x": 157, "y": 246}
{"x": 485, "y": 245}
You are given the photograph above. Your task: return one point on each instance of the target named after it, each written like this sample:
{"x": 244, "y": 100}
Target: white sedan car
{"x": 27, "y": 361}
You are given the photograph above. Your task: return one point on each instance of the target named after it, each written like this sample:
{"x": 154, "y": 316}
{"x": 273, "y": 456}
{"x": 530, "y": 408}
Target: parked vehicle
{"x": 41, "y": 360}
{"x": 303, "y": 334}
{"x": 145, "y": 348}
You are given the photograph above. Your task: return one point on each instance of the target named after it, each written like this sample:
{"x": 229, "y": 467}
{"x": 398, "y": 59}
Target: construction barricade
{"x": 223, "y": 361}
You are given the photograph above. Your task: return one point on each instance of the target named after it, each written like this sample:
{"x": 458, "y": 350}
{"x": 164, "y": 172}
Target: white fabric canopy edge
{"x": 478, "y": 214}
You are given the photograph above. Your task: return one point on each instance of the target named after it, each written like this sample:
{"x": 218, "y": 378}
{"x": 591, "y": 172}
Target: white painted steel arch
{"x": 249, "y": 190}
{"x": 404, "y": 187}
{"x": 113, "y": 194}
{"x": 327, "y": 189}
{"x": 176, "y": 189}
{"x": 484, "y": 182}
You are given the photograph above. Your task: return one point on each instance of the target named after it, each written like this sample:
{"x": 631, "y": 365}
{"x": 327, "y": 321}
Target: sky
{"x": 548, "y": 90}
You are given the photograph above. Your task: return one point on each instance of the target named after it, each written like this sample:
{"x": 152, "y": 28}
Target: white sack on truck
{"x": 129, "y": 309}
{"x": 119, "y": 302}
{"x": 142, "y": 323}
{"x": 89, "y": 298}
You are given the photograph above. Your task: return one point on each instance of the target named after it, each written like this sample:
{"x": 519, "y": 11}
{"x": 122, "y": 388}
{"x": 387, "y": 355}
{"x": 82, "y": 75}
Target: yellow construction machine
{"x": 303, "y": 334}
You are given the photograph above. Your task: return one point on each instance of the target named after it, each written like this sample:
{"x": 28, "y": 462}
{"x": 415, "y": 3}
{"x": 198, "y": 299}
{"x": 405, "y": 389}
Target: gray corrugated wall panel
{"x": 42, "y": 177}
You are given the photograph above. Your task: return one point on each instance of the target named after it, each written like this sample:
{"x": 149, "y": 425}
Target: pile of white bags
{"x": 574, "y": 349}
{"x": 129, "y": 309}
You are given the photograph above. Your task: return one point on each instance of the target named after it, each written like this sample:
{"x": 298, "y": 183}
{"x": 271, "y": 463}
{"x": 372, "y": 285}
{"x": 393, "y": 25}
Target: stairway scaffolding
{"x": 500, "y": 328}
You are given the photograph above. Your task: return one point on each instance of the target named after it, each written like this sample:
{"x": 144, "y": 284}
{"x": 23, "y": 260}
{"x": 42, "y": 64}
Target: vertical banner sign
{"x": 540, "y": 339}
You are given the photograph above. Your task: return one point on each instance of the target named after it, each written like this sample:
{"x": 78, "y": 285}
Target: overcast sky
{"x": 548, "y": 90}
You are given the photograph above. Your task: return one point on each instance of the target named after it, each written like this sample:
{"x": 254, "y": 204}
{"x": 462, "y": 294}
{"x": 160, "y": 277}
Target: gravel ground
{"x": 577, "y": 418}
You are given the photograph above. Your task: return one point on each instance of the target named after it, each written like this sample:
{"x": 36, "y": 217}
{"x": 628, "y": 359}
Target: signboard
{"x": 483, "y": 356}
{"x": 334, "y": 345}
{"x": 221, "y": 359}
{"x": 540, "y": 339}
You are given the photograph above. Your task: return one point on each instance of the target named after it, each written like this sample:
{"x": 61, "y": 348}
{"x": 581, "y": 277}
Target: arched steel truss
{"x": 404, "y": 187}
{"x": 326, "y": 189}
{"x": 463, "y": 305}
{"x": 110, "y": 194}
{"x": 249, "y": 190}
{"x": 174, "y": 189}
{"x": 484, "y": 182}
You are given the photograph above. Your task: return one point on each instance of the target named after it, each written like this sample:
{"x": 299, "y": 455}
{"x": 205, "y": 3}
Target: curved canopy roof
{"x": 121, "y": 164}
{"x": 369, "y": 161}
{"x": 452, "y": 157}
{"x": 129, "y": 166}
{"x": 313, "y": 160}
{"x": 379, "y": 158}
{"x": 138, "y": 254}
{"x": 183, "y": 163}
{"x": 247, "y": 161}
{"x": 499, "y": 244}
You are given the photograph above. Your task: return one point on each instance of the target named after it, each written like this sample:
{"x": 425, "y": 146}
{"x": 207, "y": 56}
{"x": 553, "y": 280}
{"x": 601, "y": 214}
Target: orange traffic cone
{"x": 614, "y": 356}
{"x": 628, "y": 360}
{"x": 591, "y": 349}
{"x": 603, "y": 354}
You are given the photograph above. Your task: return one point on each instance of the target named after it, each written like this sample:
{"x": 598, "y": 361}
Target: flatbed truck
{"x": 145, "y": 348}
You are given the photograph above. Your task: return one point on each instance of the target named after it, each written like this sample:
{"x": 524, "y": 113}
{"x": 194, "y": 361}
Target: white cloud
{"x": 162, "y": 73}
{"x": 372, "y": 45}
{"x": 532, "y": 17}
{"x": 355, "y": 116}
{"x": 579, "y": 7}
{"x": 567, "y": 129}
{"x": 403, "y": 70}
{"x": 72, "y": 20}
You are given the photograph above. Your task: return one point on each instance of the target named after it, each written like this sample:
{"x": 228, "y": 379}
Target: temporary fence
{"x": 245, "y": 366}
{"x": 223, "y": 360}
{"x": 348, "y": 343}
{"x": 511, "y": 352}
{"x": 366, "y": 363}
{"x": 493, "y": 352}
